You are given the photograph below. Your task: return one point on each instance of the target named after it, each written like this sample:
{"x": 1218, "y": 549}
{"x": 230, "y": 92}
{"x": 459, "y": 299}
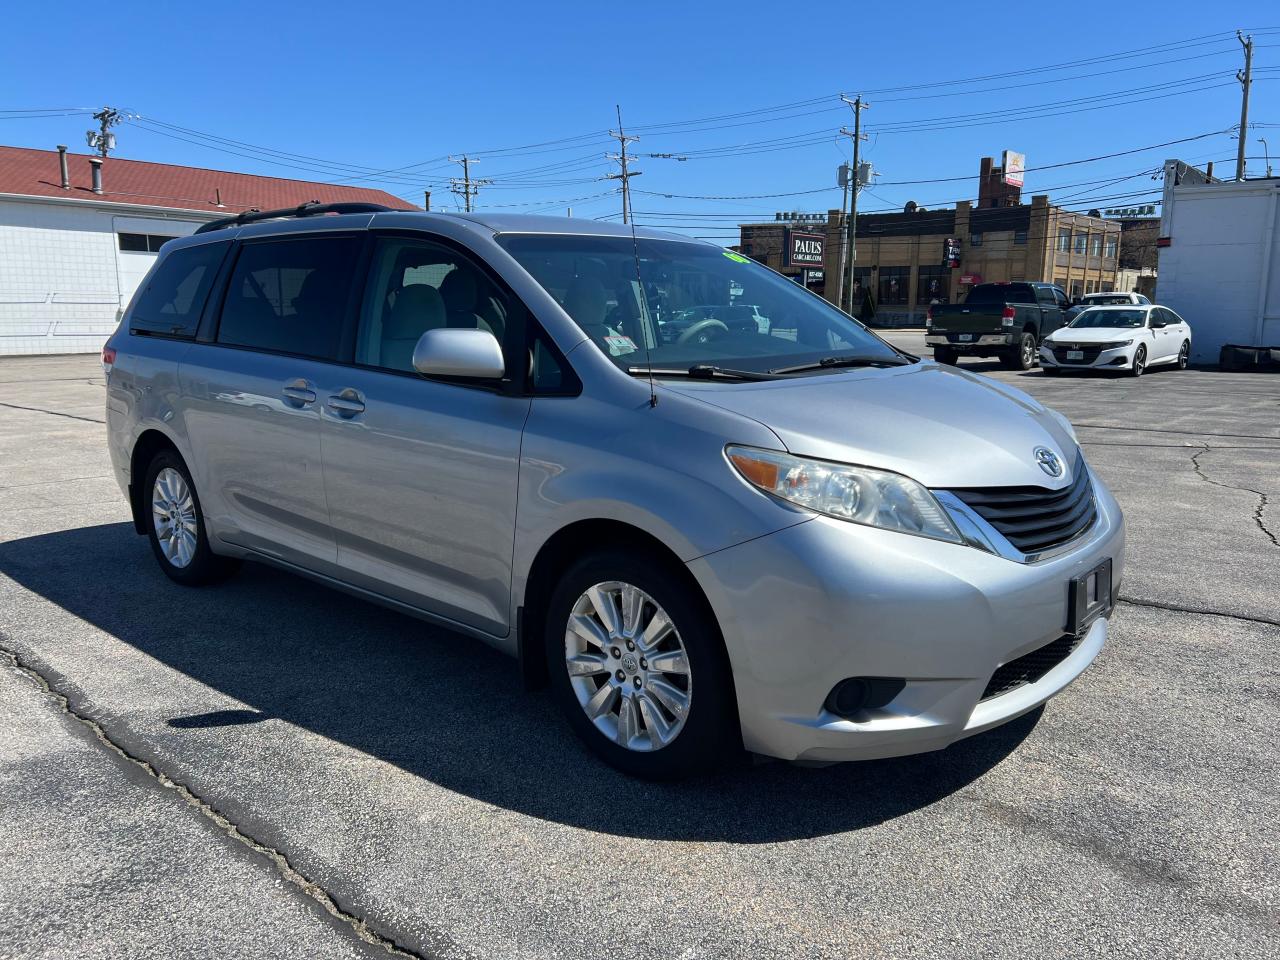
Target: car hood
{"x": 1093, "y": 334}
{"x": 936, "y": 424}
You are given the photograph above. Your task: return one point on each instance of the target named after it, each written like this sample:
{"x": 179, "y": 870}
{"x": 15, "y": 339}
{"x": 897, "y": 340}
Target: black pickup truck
{"x": 1005, "y": 320}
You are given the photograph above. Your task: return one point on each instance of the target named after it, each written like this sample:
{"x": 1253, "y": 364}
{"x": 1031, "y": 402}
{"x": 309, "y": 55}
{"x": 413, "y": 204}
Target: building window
{"x": 1060, "y": 282}
{"x": 1095, "y": 245}
{"x": 1112, "y": 243}
{"x": 1077, "y": 289}
{"x": 1079, "y": 243}
{"x": 975, "y": 239}
{"x": 142, "y": 242}
{"x": 1108, "y": 288}
{"x": 1089, "y": 286}
{"x": 1017, "y": 276}
{"x": 1064, "y": 239}
{"x": 1019, "y": 238}
{"x": 894, "y": 282}
{"x": 933, "y": 285}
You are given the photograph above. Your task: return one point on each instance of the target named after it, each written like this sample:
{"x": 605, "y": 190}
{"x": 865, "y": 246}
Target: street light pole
{"x": 1266, "y": 152}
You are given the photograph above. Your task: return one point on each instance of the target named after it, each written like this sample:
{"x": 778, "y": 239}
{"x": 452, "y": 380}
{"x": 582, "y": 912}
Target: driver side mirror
{"x": 451, "y": 352}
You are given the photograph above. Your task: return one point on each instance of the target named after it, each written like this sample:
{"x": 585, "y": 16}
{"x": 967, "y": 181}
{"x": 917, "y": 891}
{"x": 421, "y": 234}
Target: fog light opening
{"x": 854, "y": 697}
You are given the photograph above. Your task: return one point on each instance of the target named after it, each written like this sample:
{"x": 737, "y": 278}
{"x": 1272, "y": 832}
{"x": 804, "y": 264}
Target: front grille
{"x": 1029, "y": 667}
{"x": 1090, "y": 353}
{"x": 1035, "y": 519}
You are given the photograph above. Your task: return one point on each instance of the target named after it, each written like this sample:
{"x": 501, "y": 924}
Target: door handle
{"x": 347, "y": 403}
{"x": 299, "y": 392}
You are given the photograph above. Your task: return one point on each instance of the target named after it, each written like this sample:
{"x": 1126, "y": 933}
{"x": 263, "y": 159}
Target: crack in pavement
{"x": 1262, "y": 497}
{"x": 1203, "y": 611}
{"x": 52, "y": 413}
{"x": 357, "y": 926}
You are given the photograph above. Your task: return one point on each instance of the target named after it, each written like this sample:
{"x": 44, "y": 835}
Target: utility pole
{"x": 624, "y": 174}
{"x": 103, "y": 140}
{"x": 427, "y": 198}
{"x": 1266, "y": 152}
{"x": 852, "y": 226}
{"x": 1245, "y": 77}
{"x": 843, "y": 176}
{"x": 466, "y": 187}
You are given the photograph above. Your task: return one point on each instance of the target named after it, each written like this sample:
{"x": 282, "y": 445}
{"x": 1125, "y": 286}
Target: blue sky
{"x": 350, "y": 91}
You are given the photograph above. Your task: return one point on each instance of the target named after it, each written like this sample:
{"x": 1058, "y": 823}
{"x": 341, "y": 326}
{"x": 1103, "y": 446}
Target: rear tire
{"x": 653, "y": 702}
{"x": 945, "y": 355}
{"x": 175, "y": 525}
{"x": 1023, "y": 356}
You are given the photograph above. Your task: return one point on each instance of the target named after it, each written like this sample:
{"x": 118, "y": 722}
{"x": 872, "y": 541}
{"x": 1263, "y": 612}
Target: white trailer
{"x": 1219, "y": 250}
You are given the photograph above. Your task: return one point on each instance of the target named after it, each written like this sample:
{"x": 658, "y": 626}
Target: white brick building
{"x": 71, "y": 258}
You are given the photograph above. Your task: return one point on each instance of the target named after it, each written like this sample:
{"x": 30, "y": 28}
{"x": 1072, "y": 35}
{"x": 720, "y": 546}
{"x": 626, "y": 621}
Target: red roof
{"x": 35, "y": 173}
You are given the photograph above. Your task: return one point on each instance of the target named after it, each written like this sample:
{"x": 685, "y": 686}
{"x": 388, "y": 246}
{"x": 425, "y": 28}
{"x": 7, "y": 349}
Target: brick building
{"x": 900, "y": 255}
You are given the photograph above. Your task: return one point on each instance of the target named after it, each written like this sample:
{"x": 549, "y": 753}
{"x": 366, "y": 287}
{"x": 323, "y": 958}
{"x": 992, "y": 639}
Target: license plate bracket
{"x": 966, "y": 337}
{"x": 1075, "y": 354}
{"x": 1088, "y": 598}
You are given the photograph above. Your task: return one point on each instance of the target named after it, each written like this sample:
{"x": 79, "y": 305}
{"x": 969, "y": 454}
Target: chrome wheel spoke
{"x": 588, "y": 630}
{"x": 660, "y": 730}
{"x": 606, "y": 609}
{"x": 657, "y": 630}
{"x": 674, "y": 699}
{"x": 632, "y": 607}
{"x": 586, "y": 665}
{"x": 628, "y": 721}
{"x": 669, "y": 662}
{"x": 602, "y": 701}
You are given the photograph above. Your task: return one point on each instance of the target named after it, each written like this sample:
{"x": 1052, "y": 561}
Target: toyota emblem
{"x": 1048, "y": 461}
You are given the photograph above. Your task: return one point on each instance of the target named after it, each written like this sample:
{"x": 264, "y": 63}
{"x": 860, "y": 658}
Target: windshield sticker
{"x": 736, "y": 257}
{"x": 620, "y": 345}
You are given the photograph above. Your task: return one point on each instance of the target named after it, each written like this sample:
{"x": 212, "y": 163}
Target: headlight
{"x": 1115, "y": 344}
{"x": 875, "y": 498}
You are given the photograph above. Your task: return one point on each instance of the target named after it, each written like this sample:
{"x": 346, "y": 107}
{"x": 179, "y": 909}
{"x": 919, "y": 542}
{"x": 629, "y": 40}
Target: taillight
{"x": 108, "y": 358}
{"x": 928, "y": 317}
{"x": 1006, "y": 316}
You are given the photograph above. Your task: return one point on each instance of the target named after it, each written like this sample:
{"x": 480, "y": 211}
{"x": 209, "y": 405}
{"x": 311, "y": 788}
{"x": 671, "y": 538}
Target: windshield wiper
{"x": 858, "y": 360}
{"x": 704, "y": 371}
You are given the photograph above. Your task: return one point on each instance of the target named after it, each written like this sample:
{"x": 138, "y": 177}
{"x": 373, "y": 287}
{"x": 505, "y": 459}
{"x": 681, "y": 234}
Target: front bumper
{"x": 1115, "y": 358}
{"x": 806, "y": 607}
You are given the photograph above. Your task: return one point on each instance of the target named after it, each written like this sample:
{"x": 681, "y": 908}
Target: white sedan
{"x": 1126, "y": 337}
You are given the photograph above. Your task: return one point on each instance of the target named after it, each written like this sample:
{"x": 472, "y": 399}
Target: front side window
{"x": 176, "y": 290}
{"x": 290, "y": 295}
{"x": 415, "y": 286}
{"x": 1110, "y": 318}
{"x": 679, "y": 304}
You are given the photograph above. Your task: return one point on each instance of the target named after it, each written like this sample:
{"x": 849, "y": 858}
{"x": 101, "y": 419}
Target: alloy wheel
{"x": 1139, "y": 362}
{"x": 173, "y": 511}
{"x": 627, "y": 666}
{"x": 1182, "y": 356}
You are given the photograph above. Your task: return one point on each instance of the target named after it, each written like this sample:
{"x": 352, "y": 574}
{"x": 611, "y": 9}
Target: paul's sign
{"x": 804, "y": 249}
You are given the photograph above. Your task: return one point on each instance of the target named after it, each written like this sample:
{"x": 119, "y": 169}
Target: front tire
{"x": 1139, "y": 365}
{"x": 1184, "y": 354}
{"x": 176, "y": 525}
{"x": 638, "y": 667}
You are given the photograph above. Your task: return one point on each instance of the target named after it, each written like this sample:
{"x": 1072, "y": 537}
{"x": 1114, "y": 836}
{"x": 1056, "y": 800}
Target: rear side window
{"x": 290, "y": 296}
{"x": 175, "y": 292}
{"x": 1002, "y": 293}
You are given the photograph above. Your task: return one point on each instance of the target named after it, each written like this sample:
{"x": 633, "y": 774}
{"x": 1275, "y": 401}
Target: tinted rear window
{"x": 290, "y": 296}
{"x": 1002, "y": 293}
{"x": 176, "y": 290}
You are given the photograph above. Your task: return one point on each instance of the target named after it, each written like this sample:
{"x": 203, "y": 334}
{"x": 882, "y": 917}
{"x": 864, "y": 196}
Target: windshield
{"x": 693, "y": 304}
{"x": 1110, "y": 318}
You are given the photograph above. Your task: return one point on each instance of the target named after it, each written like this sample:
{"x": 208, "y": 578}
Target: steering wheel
{"x": 704, "y": 331}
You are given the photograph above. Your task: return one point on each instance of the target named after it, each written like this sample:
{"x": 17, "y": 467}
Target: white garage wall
{"x": 63, "y": 279}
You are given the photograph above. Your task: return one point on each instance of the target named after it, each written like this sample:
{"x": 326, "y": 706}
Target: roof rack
{"x": 309, "y": 209}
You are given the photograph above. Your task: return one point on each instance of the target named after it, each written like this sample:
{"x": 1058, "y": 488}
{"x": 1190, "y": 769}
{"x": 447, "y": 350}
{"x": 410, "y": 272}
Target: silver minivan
{"x": 784, "y": 536}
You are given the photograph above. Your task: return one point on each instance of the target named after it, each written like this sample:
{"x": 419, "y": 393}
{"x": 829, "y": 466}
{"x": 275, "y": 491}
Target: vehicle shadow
{"x": 445, "y": 707}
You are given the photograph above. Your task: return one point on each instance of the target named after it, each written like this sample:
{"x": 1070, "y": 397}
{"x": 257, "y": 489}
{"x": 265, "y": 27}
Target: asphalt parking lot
{"x": 268, "y": 768}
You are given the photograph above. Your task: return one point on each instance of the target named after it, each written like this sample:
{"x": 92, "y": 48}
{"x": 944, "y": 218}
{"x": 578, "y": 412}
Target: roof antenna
{"x": 643, "y": 301}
